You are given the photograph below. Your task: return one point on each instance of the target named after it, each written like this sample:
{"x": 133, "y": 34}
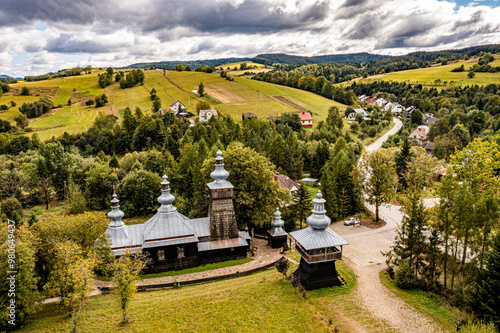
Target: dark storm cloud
{"x": 474, "y": 19}
{"x": 404, "y": 33}
{"x": 205, "y": 45}
{"x": 352, "y": 3}
{"x": 352, "y": 9}
{"x": 66, "y": 44}
{"x": 251, "y": 16}
{"x": 21, "y": 12}
{"x": 366, "y": 26}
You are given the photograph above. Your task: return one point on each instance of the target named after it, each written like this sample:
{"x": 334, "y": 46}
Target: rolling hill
{"x": 282, "y": 58}
{"x": 193, "y": 63}
{"x": 228, "y": 97}
{"x": 438, "y": 74}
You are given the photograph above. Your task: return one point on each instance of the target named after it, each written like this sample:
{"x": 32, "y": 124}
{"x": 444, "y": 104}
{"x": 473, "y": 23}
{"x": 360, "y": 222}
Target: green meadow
{"x": 263, "y": 302}
{"x": 429, "y": 75}
{"x": 232, "y": 98}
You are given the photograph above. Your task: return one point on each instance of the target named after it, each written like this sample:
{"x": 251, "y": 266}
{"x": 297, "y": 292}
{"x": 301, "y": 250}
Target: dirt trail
{"x": 291, "y": 104}
{"x": 364, "y": 254}
{"x": 367, "y": 261}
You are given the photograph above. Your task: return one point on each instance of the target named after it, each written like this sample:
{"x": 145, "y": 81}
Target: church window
{"x": 161, "y": 255}
{"x": 180, "y": 253}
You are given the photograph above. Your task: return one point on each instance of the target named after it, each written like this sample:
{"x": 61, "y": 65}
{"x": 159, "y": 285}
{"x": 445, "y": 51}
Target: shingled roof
{"x": 286, "y": 182}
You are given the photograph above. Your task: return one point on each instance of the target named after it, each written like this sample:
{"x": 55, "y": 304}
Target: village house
{"x": 286, "y": 183}
{"x": 371, "y": 101}
{"x": 429, "y": 146}
{"x": 352, "y": 116}
{"x": 418, "y": 135}
{"x": 408, "y": 111}
{"x": 381, "y": 102}
{"x": 429, "y": 121}
{"x": 248, "y": 115}
{"x": 205, "y": 115}
{"x": 362, "y": 98}
{"x": 174, "y": 241}
{"x": 306, "y": 119}
{"x": 177, "y": 107}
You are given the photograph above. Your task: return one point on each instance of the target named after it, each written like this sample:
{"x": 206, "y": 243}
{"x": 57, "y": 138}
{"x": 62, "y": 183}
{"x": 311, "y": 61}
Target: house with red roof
{"x": 418, "y": 135}
{"x": 286, "y": 183}
{"x": 306, "y": 119}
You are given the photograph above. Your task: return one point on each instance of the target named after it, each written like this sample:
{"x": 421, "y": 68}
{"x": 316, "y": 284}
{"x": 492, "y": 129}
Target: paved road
{"x": 364, "y": 253}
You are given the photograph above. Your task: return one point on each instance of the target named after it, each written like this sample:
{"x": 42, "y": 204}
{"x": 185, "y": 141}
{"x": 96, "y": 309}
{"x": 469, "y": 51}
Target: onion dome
{"x": 318, "y": 220}
{"x": 219, "y": 174}
{"x": 277, "y": 221}
{"x": 277, "y": 224}
{"x": 115, "y": 215}
{"x": 166, "y": 198}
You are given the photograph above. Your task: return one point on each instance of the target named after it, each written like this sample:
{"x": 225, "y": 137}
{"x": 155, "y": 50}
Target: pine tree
{"x": 302, "y": 203}
{"x": 402, "y": 158}
{"x": 486, "y": 298}
{"x": 319, "y": 159}
{"x": 113, "y": 163}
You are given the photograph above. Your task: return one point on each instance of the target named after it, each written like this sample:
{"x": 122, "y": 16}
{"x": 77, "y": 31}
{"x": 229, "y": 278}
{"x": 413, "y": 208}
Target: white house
{"x": 397, "y": 108}
{"x": 352, "y": 116}
{"x": 205, "y": 115}
{"x": 362, "y": 98}
{"x": 177, "y": 107}
{"x": 388, "y": 105}
{"x": 381, "y": 102}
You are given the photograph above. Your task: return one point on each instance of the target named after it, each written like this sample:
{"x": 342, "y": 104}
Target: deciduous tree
{"x": 376, "y": 178}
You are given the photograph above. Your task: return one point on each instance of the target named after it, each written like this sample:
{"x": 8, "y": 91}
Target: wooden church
{"x": 174, "y": 241}
{"x": 319, "y": 248}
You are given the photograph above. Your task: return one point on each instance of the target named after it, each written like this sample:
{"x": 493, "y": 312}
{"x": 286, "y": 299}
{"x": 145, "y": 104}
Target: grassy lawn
{"x": 429, "y": 304}
{"x": 14, "y": 111}
{"x": 263, "y": 110}
{"x": 229, "y": 97}
{"x": 316, "y": 104}
{"x": 430, "y": 74}
{"x": 237, "y": 64}
{"x": 262, "y": 302}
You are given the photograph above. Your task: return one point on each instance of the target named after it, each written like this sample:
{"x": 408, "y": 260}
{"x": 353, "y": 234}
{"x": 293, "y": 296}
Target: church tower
{"x": 221, "y": 211}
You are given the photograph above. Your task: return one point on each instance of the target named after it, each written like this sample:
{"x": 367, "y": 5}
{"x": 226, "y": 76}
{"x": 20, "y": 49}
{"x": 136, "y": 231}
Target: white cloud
{"x": 118, "y": 33}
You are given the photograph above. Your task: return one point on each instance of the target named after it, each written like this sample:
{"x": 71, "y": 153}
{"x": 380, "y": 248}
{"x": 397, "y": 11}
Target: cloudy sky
{"x": 38, "y": 36}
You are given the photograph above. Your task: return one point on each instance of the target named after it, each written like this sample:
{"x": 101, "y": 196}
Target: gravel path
{"x": 364, "y": 255}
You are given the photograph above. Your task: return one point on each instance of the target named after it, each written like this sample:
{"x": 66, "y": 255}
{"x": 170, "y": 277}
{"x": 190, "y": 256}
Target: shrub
{"x": 12, "y": 208}
{"x": 76, "y": 200}
{"x": 25, "y": 91}
{"x": 405, "y": 278}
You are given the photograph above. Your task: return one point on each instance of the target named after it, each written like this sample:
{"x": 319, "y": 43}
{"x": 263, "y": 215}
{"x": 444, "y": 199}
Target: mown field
{"x": 259, "y": 68}
{"x": 229, "y": 97}
{"x": 428, "y": 76}
{"x": 262, "y": 302}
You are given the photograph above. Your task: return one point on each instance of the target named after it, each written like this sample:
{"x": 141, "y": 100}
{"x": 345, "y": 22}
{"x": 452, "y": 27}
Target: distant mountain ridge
{"x": 282, "y": 58}
{"x": 191, "y": 63}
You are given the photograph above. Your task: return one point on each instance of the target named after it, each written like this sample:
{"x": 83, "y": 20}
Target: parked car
{"x": 357, "y": 221}
{"x": 349, "y": 221}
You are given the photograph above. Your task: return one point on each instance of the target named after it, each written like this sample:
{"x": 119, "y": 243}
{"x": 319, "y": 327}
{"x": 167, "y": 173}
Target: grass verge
{"x": 428, "y": 303}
